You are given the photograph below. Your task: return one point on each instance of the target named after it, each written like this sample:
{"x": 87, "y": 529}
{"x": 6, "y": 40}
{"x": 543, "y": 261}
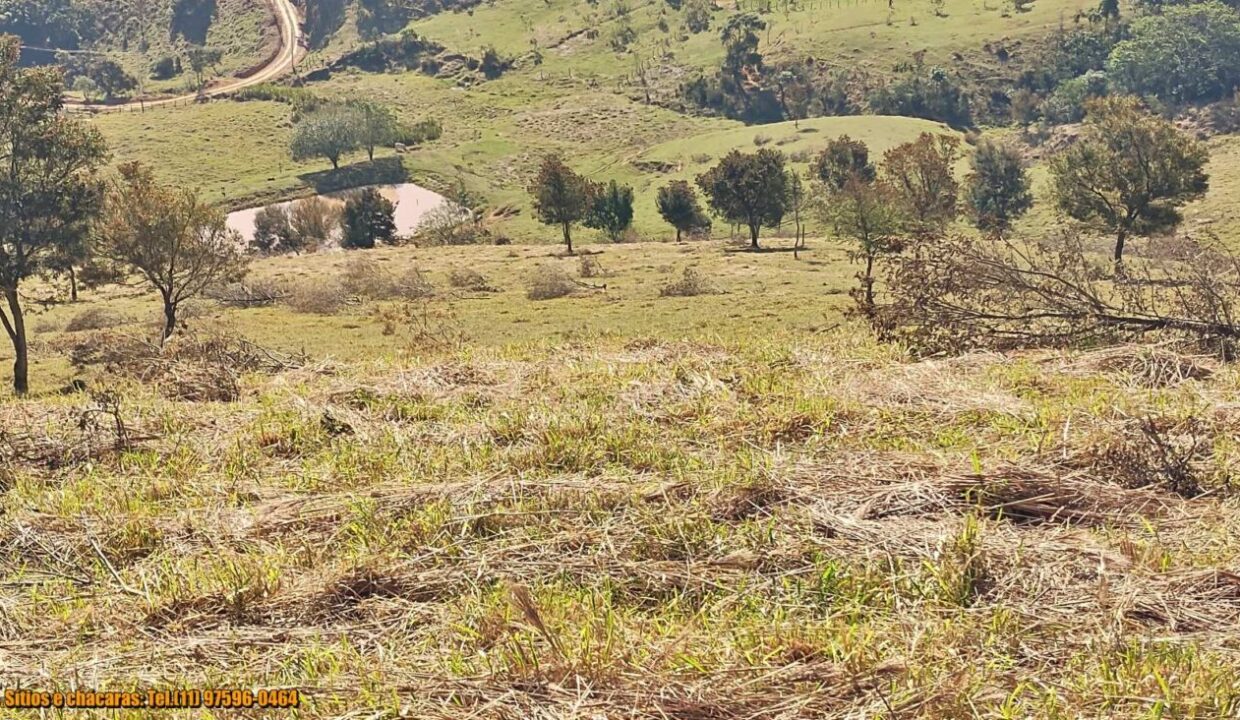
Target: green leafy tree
{"x": 201, "y": 59}
{"x": 867, "y": 212}
{"x": 328, "y": 132}
{"x": 922, "y": 176}
{"x": 369, "y": 218}
{"x": 997, "y": 192}
{"x": 740, "y": 44}
{"x": 111, "y": 78}
{"x": 88, "y": 88}
{"x": 376, "y": 126}
{"x": 612, "y": 210}
{"x": 1129, "y": 173}
{"x": 678, "y": 205}
{"x": 1184, "y": 54}
{"x": 49, "y": 188}
{"x": 841, "y": 160}
{"x": 561, "y": 196}
{"x": 178, "y": 243}
{"x": 748, "y": 189}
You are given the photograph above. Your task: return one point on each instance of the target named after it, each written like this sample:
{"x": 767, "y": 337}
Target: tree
{"x": 748, "y": 189}
{"x": 997, "y": 192}
{"x": 178, "y": 243}
{"x": 111, "y": 78}
{"x": 202, "y": 59}
{"x": 368, "y": 218}
{"x": 841, "y": 160}
{"x": 273, "y": 230}
{"x": 740, "y": 44}
{"x": 678, "y": 205}
{"x": 376, "y": 126}
{"x": 1129, "y": 173}
{"x": 1187, "y": 53}
{"x": 561, "y": 196}
{"x": 49, "y": 189}
{"x": 612, "y": 210}
{"x": 922, "y": 175}
{"x": 329, "y": 132}
{"x": 796, "y": 206}
{"x": 868, "y": 212}
{"x": 88, "y": 88}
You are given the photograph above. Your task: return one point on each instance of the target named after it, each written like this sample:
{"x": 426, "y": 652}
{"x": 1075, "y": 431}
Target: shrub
{"x": 933, "y": 96}
{"x": 366, "y": 278}
{"x": 549, "y": 282}
{"x": 691, "y": 283}
{"x": 316, "y": 297}
{"x": 466, "y": 279}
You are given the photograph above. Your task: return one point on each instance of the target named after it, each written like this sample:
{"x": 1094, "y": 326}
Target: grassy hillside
{"x": 620, "y": 504}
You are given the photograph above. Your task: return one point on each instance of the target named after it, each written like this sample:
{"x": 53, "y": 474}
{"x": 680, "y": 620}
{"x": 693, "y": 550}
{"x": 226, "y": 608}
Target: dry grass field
{"x": 470, "y": 504}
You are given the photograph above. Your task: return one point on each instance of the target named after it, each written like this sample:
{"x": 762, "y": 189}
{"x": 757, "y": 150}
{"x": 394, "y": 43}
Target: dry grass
{"x": 629, "y": 529}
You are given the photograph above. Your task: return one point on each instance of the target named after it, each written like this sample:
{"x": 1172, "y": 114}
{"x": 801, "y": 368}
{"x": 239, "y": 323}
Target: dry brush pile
{"x": 647, "y": 530}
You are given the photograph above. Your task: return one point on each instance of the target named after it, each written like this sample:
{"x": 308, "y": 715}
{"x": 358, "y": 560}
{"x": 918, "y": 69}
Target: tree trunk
{"x": 335, "y": 161}
{"x": 170, "y": 319}
{"x": 677, "y": 234}
{"x": 73, "y": 293}
{"x": 16, "y": 326}
{"x": 568, "y": 237}
{"x": 1119, "y": 252}
{"x": 869, "y": 284}
{"x": 753, "y": 236}
{"x": 370, "y": 151}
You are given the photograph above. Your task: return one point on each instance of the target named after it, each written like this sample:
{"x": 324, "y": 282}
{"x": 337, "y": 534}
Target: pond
{"x": 413, "y": 202}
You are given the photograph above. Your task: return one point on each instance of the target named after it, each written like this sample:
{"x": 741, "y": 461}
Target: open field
{"x": 624, "y": 525}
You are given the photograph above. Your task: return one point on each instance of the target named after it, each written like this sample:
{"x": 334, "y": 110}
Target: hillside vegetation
{"x": 762, "y": 361}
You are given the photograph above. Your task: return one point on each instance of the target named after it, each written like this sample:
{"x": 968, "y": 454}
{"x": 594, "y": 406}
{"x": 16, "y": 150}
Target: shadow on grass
{"x": 764, "y": 250}
{"x": 383, "y": 171}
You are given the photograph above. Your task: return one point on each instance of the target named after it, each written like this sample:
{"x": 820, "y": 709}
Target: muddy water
{"x": 413, "y": 202}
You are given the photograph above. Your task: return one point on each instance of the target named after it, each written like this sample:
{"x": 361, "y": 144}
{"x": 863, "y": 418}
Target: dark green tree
{"x": 997, "y": 192}
{"x": 678, "y": 205}
{"x": 369, "y": 218}
{"x": 748, "y": 189}
{"x": 1187, "y": 53}
{"x": 612, "y": 210}
{"x": 561, "y": 196}
{"x": 841, "y": 160}
{"x": 49, "y": 188}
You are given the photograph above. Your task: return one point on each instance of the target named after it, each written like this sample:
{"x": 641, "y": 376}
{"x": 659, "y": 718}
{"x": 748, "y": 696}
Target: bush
{"x": 549, "y": 282}
{"x": 165, "y": 67}
{"x": 590, "y": 267}
{"x": 366, "y": 278}
{"x": 472, "y": 280}
{"x": 315, "y": 221}
{"x": 933, "y": 96}
{"x": 690, "y": 284}
{"x": 1067, "y": 103}
{"x": 316, "y": 297}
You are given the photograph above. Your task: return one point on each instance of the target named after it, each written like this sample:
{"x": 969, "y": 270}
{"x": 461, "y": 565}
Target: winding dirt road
{"x": 284, "y": 61}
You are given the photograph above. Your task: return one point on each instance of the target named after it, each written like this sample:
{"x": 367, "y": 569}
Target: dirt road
{"x": 284, "y": 61}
